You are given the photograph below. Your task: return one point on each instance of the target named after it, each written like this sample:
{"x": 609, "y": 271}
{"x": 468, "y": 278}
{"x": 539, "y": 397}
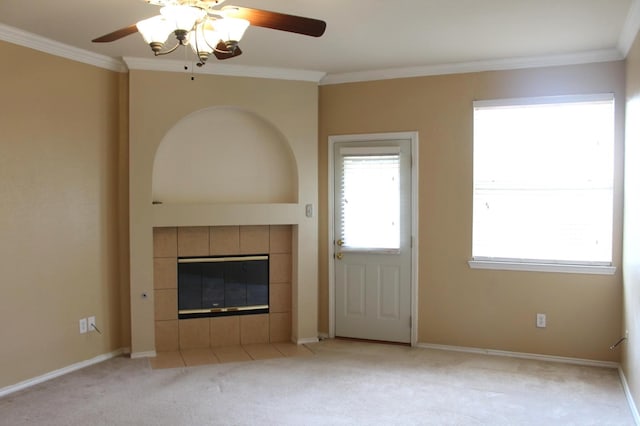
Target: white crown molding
{"x": 477, "y": 66}
{"x": 216, "y": 68}
{"x": 630, "y": 28}
{"x": 42, "y": 44}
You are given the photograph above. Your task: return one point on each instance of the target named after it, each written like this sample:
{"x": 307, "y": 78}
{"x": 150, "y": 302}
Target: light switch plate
{"x": 541, "y": 320}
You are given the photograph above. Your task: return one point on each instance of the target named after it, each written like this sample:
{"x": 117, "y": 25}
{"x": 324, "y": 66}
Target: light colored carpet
{"x": 344, "y": 383}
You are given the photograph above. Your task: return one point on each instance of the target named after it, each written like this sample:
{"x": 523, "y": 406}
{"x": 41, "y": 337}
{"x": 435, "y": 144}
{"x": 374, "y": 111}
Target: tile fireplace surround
{"x": 169, "y": 243}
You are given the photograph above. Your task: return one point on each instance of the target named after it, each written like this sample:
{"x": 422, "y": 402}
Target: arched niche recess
{"x": 224, "y": 155}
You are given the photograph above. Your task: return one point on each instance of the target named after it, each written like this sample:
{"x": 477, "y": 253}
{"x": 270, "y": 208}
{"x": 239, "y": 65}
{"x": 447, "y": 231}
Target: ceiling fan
{"x": 209, "y": 29}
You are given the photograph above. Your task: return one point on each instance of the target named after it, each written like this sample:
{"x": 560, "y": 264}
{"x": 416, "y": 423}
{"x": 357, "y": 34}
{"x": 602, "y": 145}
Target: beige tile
{"x": 165, "y": 272}
{"x": 165, "y": 243}
{"x": 167, "y": 360}
{"x": 280, "y": 268}
{"x": 225, "y": 331}
{"x": 165, "y": 304}
{"x": 262, "y": 351}
{"x": 203, "y": 356}
{"x": 167, "y": 336}
{"x": 193, "y": 241}
{"x": 224, "y": 240}
{"x": 254, "y": 329}
{"x": 280, "y": 239}
{"x": 254, "y": 239}
{"x": 280, "y": 297}
{"x": 194, "y": 333}
{"x": 231, "y": 354}
{"x": 291, "y": 349}
{"x": 280, "y": 327}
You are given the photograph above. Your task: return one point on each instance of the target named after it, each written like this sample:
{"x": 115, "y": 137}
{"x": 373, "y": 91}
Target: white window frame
{"x": 514, "y": 264}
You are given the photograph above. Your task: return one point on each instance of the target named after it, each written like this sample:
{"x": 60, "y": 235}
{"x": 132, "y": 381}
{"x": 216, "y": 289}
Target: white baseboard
{"x": 147, "y": 354}
{"x": 632, "y": 405}
{"x": 323, "y": 336}
{"x": 552, "y": 358}
{"x": 57, "y": 373}
{"x": 524, "y": 355}
{"x": 306, "y": 340}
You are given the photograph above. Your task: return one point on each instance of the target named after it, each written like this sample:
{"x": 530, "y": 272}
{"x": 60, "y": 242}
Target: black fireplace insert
{"x": 219, "y": 286}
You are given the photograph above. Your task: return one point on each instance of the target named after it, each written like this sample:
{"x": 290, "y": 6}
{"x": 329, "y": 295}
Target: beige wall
{"x": 59, "y": 154}
{"x": 159, "y": 101}
{"x": 65, "y": 200}
{"x": 631, "y": 263}
{"x": 457, "y": 305}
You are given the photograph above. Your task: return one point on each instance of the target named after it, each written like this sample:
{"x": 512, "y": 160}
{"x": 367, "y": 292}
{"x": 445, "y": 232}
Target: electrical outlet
{"x": 91, "y": 324}
{"x": 541, "y": 320}
{"x": 83, "y": 325}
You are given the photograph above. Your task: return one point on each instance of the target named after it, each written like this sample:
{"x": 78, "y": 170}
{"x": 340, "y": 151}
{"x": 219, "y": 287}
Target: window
{"x": 543, "y": 183}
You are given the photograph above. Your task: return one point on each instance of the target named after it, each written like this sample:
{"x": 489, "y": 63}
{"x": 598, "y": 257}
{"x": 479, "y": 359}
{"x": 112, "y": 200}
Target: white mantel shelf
{"x": 227, "y": 214}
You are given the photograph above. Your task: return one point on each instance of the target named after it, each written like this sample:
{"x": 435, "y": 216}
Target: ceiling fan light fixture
{"x": 155, "y": 30}
{"x": 183, "y": 18}
{"x": 202, "y": 38}
{"x": 208, "y": 29}
{"x": 210, "y": 33}
{"x": 231, "y": 29}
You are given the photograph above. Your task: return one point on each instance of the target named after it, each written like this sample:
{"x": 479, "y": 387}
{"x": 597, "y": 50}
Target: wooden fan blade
{"x": 222, "y": 52}
{"x": 278, "y": 21}
{"x": 117, "y": 34}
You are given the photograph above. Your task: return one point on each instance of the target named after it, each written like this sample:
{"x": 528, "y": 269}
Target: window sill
{"x": 542, "y": 267}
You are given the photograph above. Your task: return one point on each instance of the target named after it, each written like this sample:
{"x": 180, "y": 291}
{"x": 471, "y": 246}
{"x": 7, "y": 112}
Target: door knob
{"x": 339, "y": 256}
{"x": 340, "y": 243}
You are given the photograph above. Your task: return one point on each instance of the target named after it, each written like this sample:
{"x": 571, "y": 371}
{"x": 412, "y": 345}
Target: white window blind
{"x": 370, "y": 201}
{"x": 543, "y": 180}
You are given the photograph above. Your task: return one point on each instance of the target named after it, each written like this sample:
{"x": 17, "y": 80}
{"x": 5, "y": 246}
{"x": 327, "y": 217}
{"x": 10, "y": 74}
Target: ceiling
{"x": 380, "y": 38}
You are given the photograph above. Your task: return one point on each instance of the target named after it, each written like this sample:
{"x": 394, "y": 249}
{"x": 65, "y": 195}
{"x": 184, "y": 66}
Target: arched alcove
{"x": 224, "y": 155}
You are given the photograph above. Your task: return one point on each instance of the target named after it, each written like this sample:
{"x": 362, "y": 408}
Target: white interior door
{"x": 372, "y": 245}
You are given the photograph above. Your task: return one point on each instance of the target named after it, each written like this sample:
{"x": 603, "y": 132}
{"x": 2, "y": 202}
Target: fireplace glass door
{"x": 215, "y": 286}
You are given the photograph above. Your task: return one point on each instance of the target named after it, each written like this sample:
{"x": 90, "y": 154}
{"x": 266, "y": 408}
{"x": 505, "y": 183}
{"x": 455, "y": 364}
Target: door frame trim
{"x": 369, "y": 137}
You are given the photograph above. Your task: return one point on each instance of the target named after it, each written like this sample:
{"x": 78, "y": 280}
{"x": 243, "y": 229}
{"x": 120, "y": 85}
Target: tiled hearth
{"x": 224, "y": 354}
{"x": 173, "y": 335}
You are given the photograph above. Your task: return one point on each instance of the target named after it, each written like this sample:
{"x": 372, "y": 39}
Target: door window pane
{"x": 370, "y": 201}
